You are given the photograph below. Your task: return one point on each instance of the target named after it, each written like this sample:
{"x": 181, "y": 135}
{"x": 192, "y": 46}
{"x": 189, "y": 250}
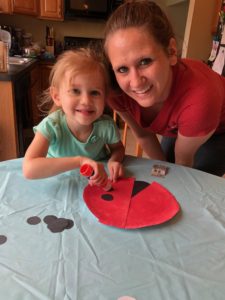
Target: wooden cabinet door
{"x": 5, "y": 7}
{"x": 51, "y": 9}
{"x": 9, "y": 147}
{"x": 35, "y": 91}
{"x": 45, "y": 71}
{"x": 27, "y": 7}
{"x": 39, "y": 83}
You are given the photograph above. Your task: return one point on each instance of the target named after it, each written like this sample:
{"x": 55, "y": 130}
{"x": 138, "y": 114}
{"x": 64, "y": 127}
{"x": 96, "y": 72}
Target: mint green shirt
{"x": 62, "y": 143}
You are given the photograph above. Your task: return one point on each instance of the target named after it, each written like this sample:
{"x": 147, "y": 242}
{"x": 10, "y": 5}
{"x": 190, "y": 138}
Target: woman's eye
{"x": 146, "y": 61}
{"x": 122, "y": 70}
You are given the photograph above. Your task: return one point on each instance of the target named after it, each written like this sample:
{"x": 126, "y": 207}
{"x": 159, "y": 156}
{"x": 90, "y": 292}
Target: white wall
{"x": 176, "y": 11}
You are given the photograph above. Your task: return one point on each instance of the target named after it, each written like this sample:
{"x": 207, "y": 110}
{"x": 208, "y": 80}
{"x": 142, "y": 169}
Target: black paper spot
{"x": 70, "y": 224}
{"x": 107, "y": 197}
{"x": 49, "y": 219}
{"x": 138, "y": 187}
{"x": 54, "y": 224}
{"x": 58, "y": 225}
{"x": 33, "y": 220}
{"x": 3, "y": 239}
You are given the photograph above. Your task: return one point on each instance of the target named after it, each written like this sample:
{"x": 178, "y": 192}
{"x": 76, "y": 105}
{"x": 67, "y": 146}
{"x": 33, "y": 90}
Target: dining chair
{"x": 124, "y": 126}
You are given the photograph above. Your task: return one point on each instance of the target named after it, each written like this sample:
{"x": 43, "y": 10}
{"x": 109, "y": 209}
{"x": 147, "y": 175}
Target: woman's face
{"x": 141, "y": 66}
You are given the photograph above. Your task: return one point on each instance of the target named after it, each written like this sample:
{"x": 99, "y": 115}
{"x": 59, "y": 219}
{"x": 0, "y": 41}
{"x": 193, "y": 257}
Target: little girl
{"x": 76, "y": 132}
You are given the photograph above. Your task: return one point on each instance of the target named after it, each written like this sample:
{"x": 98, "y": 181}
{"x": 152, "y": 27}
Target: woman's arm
{"x": 36, "y": 165}
{"x": 186, "y": 147}
{"x": 147, "y": 140}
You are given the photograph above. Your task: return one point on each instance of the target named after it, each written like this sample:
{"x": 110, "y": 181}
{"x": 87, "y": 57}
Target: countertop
{"x": 17, "y": 70}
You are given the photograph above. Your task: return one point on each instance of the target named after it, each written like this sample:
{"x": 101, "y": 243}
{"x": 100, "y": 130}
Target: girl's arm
{"x": 115, "y": 166}
{"x": 36, "y": 165}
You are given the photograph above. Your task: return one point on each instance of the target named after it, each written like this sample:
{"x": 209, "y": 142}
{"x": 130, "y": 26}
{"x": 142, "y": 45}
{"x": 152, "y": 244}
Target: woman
{"x": 183, "y": 100}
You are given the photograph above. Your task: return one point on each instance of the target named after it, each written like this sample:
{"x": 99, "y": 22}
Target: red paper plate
{"x": 131, "y": 204}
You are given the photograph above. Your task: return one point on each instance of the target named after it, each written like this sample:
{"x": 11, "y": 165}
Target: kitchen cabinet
{"x": 5, "y": 7}
{"x": 18, "y": 89}
{"x": 45, "y": 69}
{"x": 35, "y": 91}
{"x": 44, "y": 9}
{"x": 26, "y": 7}
{"x": 44, "y": 72}
{"x": 9, "y": 148}
{"x": 51, "y": 9}
{"x": 39, "y": 82}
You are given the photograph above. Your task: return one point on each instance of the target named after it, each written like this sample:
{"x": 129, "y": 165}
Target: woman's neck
{"x": 150, "y": 113}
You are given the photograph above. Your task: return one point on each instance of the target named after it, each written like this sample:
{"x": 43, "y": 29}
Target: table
{"x": 182, "y": 259}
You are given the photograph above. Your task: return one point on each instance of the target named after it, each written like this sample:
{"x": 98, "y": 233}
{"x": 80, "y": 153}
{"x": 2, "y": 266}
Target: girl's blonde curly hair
{"x": 79, "y": 61}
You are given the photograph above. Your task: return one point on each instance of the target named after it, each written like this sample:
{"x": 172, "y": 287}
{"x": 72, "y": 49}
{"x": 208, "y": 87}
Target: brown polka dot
{"x": 3, "y": 239}
{"x": 33, "y": 220}
{"x": 70, "y": 224}
{"x": 49, "y": 219}
{"x": 58, "y": 225}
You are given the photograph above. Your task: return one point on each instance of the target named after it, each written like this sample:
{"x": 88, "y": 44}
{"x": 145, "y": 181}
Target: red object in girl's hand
{"x": 87, "y": 171}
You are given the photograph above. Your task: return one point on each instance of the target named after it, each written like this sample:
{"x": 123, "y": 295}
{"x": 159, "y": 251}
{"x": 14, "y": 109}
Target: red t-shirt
{"x": 195, "y": 106}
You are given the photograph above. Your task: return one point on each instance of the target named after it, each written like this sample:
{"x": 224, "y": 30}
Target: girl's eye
{"x": 75, "y": 91}
{"x": 122, "y": 70}
{"x": 95, "y": 93}
{"x": 146, "y": 61}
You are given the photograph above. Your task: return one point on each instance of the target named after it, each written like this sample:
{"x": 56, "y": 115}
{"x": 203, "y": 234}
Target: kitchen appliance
{"x": 71, "y": 42}
{"x": 97, "y": 9}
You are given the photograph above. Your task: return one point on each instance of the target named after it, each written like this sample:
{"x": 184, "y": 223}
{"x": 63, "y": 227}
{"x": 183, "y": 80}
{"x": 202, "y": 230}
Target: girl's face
{"x": 141, "y": 66}
{"x": 82, "y": 97}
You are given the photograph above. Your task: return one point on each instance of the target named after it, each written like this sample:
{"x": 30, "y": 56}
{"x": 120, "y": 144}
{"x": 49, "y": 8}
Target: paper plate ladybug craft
{"x": 131, "y": 204}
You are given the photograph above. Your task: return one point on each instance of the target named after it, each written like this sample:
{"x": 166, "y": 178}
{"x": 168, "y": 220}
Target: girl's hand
{"x": 116, "y": 170}
{"x": 99, "y": 176}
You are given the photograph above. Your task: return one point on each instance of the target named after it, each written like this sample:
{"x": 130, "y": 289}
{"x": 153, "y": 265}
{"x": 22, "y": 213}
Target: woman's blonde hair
{"x": 77, "y": 62}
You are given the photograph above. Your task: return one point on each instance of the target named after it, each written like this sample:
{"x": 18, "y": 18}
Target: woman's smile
{"x": 142, "y": 91}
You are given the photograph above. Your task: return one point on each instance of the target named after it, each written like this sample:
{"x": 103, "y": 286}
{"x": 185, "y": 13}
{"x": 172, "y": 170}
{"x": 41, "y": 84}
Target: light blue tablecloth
{"x": 182, "y": 259}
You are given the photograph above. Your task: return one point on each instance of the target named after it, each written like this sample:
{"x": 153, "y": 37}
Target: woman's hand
{"x": 116, "y": 170}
